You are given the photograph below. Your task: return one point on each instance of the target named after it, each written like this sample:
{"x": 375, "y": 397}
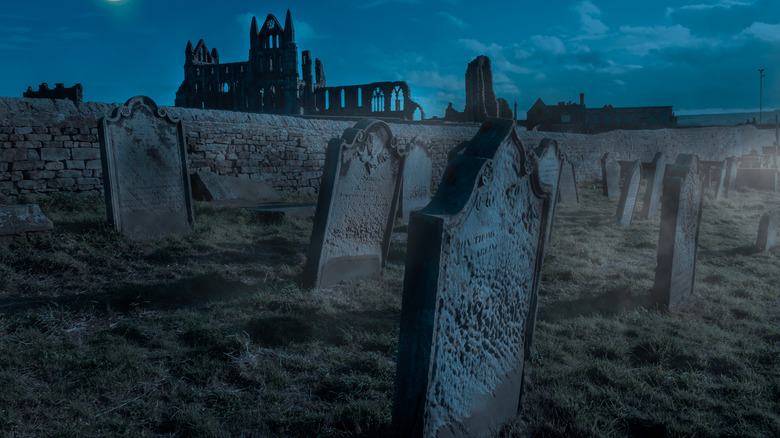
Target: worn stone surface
{"x": 654, "y": 185}
{"x": 18, "y": 222}
{"x": 418, "y": 172}
{"x": 567, "y": 190}
{"x": 610, "y": 175}
{"x": 357, "y": 204}
{"x": 679, "y": 235}
{"x": 550, "y": 163}
{"x": 628, "y": 195}
{"x": 767, "y": 230}
{"x": 147, "y": 185}
{"x": 209, "y": 186}
{"x": 730, "y": 182}
{"x": 474, "y": 262}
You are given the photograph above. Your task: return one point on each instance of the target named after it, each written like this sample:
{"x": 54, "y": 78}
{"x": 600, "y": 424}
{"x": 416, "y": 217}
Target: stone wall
{"x": 51, "y": 145}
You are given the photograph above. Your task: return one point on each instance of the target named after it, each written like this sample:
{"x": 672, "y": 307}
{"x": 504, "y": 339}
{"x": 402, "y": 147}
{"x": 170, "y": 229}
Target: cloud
{"x": 549, "y": 44}
{"x": 457, "y": 22}
{"x": 763, "y": 31}
{"x": 304, "y": 31}
{"x": 639, "y": 40}
{"x": 497, "y": 56}
{"x": 589, "y": 18}
{"x": 382, "y": 2}
{"x": 723, "y": 4}
{"x": 433, "y": 79}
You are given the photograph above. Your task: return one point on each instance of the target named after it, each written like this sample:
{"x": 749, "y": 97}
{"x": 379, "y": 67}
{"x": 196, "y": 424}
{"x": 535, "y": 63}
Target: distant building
{"x": 573, "y": 117}
{"x": 73, "y": 93}
{"x": 481, "y": 101}
{"x": 269, "y": 81}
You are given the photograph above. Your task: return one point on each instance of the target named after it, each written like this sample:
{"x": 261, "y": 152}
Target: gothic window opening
{"x": 360, "y": 97}
{"x": 327, "y": 99}
{"x": 342, "y": 97}
{"x": 378, "y": 101}
{"x": 272, "y": 97}
{"x": 398, "y": 98}
{"x": 225, "y": 87}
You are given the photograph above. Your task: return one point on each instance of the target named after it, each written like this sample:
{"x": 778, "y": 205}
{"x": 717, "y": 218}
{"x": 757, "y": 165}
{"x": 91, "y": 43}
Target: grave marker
{"x": 731, "y": 177}
{"x": 418, "y": 172}
{"x": 767, "y": 231}
{"x": 550, "y": 163}
{"x": 567, "y": 190}
{"x": 654, "y": 184}
{"x": 721, "y": 184}
{"x": 357, "y": 205}
{"x": 627, "y": 203}
{"x": 473, "y": 266}
{"x": 147, "y": 186}
{"x": 679, "y": 235}
{"x": 610, "y": 175}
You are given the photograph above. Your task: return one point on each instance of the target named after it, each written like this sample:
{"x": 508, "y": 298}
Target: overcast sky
{"x": 696, "y": 55}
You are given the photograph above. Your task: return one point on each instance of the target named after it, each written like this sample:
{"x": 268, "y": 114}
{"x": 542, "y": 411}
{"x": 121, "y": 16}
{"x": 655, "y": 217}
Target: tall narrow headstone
{"x": 357, "y": 205}
{"x": 567, "y": 191}
{"x": 679, "y": 235}
{"x": 145, "y": 176}
{"x": 654, "y": 184}
{"x": 767, "y": 231}
{"x": 731, "y": 176}
{"x": 473, "y": 265}
{"x": 550, "y": 164}
{"x": 721, "y": 184}
{"x": 628, "y": 195}
{"x": 418, "y": 173}
{"x": 610, "y": 175}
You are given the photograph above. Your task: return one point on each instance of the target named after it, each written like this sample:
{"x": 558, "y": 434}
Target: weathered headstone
{"x": 729, "y": 184}
{"x": 567, "y": 190}
{"x": 628, "y": 195}
{"x": 357, "y": 205}
{"x": 145, "y": 176}
{"x": 550, "y": 163}
{"x": 610, "y": 175}
{"x": 208, "y": 186}
{"x": 654, "y": 184}
{"x": 19, "y": 222}
{"x": 679, "y": 235}
{"x": 418, "y": 173}
{"x": 721, "y": 184}
{"x": 473, "y": 265}
{"x": 767, "y": 231}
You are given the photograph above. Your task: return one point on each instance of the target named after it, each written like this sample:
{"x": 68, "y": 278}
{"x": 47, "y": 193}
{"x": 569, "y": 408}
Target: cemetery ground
{"x": 212, "y": 335}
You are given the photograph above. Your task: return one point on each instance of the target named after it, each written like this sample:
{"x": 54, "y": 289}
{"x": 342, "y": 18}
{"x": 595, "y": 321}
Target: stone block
{"x": 55, "y": 154}
{"x": 208, "y": 186}
{"x": 86, "y": 154}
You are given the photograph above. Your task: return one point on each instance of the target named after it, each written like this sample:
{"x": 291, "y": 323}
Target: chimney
{"x": 582, "y": 99}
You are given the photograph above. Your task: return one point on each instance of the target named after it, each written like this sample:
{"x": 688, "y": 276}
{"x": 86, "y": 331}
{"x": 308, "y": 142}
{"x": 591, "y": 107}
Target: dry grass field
{"x": 212, "y": 335}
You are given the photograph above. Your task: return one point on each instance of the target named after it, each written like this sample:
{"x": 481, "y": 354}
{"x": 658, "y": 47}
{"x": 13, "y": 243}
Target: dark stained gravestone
{"x": 767, "y": 231}
{"x": 147, "y": 185}
{"x": 654, "y": 184}
{"x": 473, "y": 266}
{"x": 19, "y": 222}
{"x": 567, "y": 189}
{"x": 730, "y": 183}
{"x": 610, "y": 175}
{"x": 679, "y": 235}
{"x": 418, "y": 172}
{"x": 627, "y": 203}
{"x": 356, "y": 206}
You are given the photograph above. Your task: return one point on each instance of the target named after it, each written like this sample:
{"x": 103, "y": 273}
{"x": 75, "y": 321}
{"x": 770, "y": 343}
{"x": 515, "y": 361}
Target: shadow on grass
{"x": 608, "y": 303}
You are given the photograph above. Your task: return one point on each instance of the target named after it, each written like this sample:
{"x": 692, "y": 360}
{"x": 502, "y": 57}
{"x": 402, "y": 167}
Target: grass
{"x": 212, "y": 335}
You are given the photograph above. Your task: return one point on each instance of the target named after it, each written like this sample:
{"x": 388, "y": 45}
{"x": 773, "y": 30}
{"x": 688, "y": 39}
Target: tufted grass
{"x": 212, "y": 335}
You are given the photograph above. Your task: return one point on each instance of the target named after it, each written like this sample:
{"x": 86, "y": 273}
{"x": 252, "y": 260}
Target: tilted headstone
{"x": 628, "y": 195}
{"x": 418, "y": 173}
{"x": 721, "y": 182}
{"x": 550, "y": 163}
{"x": 610, "y": 175}
{"x": 473, "y": 265}
{"x": 729, "y": 184}
{"x": 147, "y": 185}
{"x": 19, "y": 222}
{"x": 356, "y": 206}
{"x": 767, "y": 231}
{"x": 679, "y": 235}
{"x": 209, "y": 186}
{"x": 654, "y": 184}
{"x": 567, "y": 190}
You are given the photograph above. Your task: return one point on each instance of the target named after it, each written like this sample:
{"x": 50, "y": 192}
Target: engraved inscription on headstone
{"x": 625, "y": 209}
{"x": 145, "y": 176}
{"x": 418, "y": 172}
{"x": 729, "y": 185}
{"x": 357, "y": 204}
{"x": 473, "y": 264}
{"x": 767, "y": 231}
{"x": 679, "y": 235}
{"x": 610, "y": 175}
{"x": 654, "y": 184}
{"x": 567, "y": 190}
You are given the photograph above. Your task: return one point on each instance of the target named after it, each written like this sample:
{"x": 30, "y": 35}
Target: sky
{"x": 699, "y": 56}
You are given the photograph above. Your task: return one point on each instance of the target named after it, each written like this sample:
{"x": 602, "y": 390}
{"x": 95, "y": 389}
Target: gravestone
{"x": 627, "y": 203}
{"x": 209, "y": 186}
{"x": 356, "y": 206}
{"x": 567, "y": 189}
{"x": 418, "y": 173}
{"x": 473, "y": 265}
{"x": 550, "y": 163}
{"x": 145, "y": 176}
{"x": 767, "y": 231}
{"x": 20, "y": 222}
{"x": 679, "y": 235}
{"x": 721, "y": 184}
{"x": 654, "y": 184}
{"x": 610, "y": 175}
{"x": 729, "y": 184}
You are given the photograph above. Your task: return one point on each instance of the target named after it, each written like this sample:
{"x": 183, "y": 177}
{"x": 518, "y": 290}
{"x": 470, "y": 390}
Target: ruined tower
{"x": 480, "y": 98}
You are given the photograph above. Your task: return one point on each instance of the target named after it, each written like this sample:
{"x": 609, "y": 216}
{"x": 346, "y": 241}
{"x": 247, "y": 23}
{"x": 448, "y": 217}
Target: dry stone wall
{"x": 51, "y": 145}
